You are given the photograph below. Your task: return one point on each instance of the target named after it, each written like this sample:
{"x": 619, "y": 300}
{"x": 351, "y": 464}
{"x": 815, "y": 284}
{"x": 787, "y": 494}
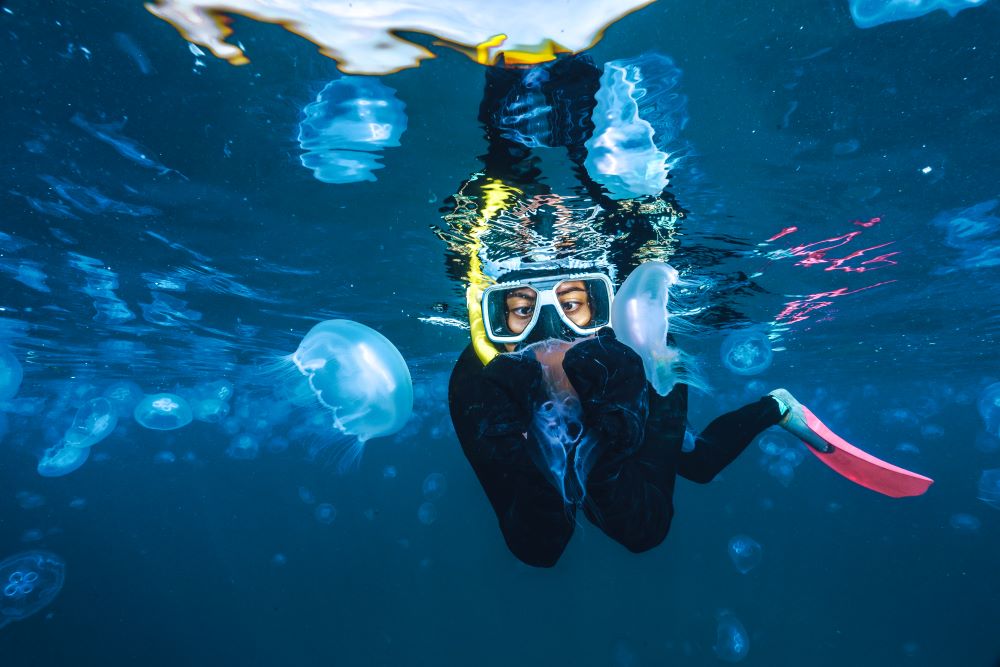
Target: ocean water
{"x": 172, "y": 220}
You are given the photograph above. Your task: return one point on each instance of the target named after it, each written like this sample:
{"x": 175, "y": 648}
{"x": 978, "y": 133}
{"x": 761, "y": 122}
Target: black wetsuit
{"x": 638, "y": 455}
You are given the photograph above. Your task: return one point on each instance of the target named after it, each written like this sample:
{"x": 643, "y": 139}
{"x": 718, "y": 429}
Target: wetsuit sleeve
{"x": 491, "y": 409}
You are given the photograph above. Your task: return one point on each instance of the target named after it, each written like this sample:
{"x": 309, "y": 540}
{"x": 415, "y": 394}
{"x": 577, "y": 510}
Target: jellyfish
{"x": 434, "y": 486}
{"x": 731, "y": 640}
{"x": 427, "y": 513}
{"x": 62, "y": 459}
{"x": 124, "y": 396}
{"x": 163, "y": 412}
{"x": 870, "y": 13}
{"x": 637, "y": 119}
{"x": 989, "y": 487}
{"x": 989, "y": 408}
{"x": 965, "y": 523}
{"x": 745, "y": 553}
{"x": 358, "y": 377}
{"x": 325, "y": 513}
{"x": 746, "y": 352}
{"x": 640, "y": 319}
{"x": 243, "y": 447}
{"x": 345, "y": 129}
{"x": 11, "y": 375}
{"x": 94, "y": 421}
{"x": 28, "y": 582}
{"x": 210, "y": 401}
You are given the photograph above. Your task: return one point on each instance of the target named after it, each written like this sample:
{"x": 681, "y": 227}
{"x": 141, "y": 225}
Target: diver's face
{"x": 572, "y": 297}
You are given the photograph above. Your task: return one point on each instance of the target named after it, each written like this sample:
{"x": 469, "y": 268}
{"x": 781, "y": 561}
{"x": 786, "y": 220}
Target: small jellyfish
{"x": 78, "y": 503}
{"x": 277, "y": 444}
{"x": 62, "y": 459}
{"x": 358, "y": 377}
{"x": 32, "y": 535}
{"x": 306, "y": 496}
{"x": 731, "y": 640}
{"x": 965, "y": 523}
{"x": 29, "y": 500}
{"x": 243, "y": 447}
{"x": 28, "y": 582}
{"x": 427, "y": 513}
{"x": 390, "y": 472}
{"x": 163, "y": 412}
{"x": 989, "y": 487}
{"x": 434, "y": 486}
{"x": 989, "y": 408}
{"x": 325, "y": 513}
{"x": 11, "y": 375}
{"x": 164, "y": 456}
{"x": 210, "y": 401}
{"x": 746, "y": 352}
{"x": 94, "y": 421}
{"x": 279, "y": 560}
{"x": 745, "y": 553}
{"x": 124, "y": 396}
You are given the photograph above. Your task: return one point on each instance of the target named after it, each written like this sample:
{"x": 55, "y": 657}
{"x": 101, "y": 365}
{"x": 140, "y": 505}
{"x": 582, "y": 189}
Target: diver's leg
{"x": 725, "y": 439}
{"x": 630, "y": 495}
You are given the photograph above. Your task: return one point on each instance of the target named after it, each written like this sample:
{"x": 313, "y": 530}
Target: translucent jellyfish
{"x": 989, "y": 487}
{"x": 29, "y": 500}
{"x": 325, "y": 513}
{"x": 32, "y": 535}
{"x": 210, "y": 401}
{"x": 164, "y": 457}
{"x": 640, "y": 319}
{"x": 124, "y": 396}
{"x": 637, "y": 119}
{"x": 306, "y": 496}
{"x": 427, "y": 513}
{"x": 243, "y": 447}
{"x": 390, "y": 472}
{"x": 989, "y": 408}
{"x": 62, "y": 459}
{"x": 745, "y": 553}
{"x": 28, "y": 582}
{"x": 78, "y": 503}
{"x": 348, "y": 125}
{"x": 974, "y": 232}
{"x": 11, "y": 375}
{"x": 746, "y": 352}
{"x": 870, "y": 13}
{"x": 94, "y": 421}
{"x": 434, "y": 486}
{"x": 965, "y": 523}
{"x": 358, "y": 376}
{"x": 279, "y": 560}
{"x": 163, "y": 412}
{"x": 731, "y": 640}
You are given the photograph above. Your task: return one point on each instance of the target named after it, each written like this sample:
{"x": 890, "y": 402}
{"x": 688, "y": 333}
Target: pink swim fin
{"x": 855, "y": 464}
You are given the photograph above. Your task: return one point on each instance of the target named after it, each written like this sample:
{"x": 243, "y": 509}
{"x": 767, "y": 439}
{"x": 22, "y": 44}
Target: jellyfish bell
{"x": 357, "y": 376}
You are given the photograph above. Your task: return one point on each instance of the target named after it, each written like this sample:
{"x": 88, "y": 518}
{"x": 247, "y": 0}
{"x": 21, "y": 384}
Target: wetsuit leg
{"x": 535, "y": 522}
{"x": 725, "y": 439}
{"x": 630, "y": 496}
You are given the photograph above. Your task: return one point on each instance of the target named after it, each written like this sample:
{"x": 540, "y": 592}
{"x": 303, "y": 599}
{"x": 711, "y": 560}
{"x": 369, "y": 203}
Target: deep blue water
{"x": 226, "y": 250}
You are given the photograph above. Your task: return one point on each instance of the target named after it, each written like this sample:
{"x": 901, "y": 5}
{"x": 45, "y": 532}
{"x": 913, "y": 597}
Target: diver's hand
{"x": 514, "y": 384}
{"x": 611, "y": 383}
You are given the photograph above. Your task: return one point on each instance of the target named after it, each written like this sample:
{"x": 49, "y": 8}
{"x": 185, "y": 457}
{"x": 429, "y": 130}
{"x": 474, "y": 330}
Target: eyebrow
{"x": 521, "y": 294}
{"x": 567, "y": 290}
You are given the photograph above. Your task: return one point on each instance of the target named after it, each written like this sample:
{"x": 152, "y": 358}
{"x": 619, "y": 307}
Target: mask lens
{"x": 584, "y": 304}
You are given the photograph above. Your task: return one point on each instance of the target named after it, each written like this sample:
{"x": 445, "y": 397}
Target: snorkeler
{"x": 553, "y": 412}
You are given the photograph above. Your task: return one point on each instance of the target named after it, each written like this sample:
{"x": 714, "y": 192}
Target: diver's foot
{"x": 793, "y": 420}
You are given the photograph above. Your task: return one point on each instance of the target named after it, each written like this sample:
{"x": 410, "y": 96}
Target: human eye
{"x": 523, "y": 311}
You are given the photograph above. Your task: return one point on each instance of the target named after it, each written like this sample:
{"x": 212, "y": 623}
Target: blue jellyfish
{"x": 345, "y": 129}
{"x": 11, "y": 375}
{"x": 29, "y": 500}
{"x": 745, "y": 553}
{"x": 94, "y": 421}
{"x": 243, "y": 447}
{"x": 325, "y": 513}
{"x": 358, "y": 376}
{"x": 163, "y": 412}
{"x": 989, "y": 487}
{"x": 434, "y": 486}
{"x": 965, "y": 523}
{"x": 731, "y": 640}
{"x": 870, "y": 13}
{"x": 640, "y": 319}
{"x": 62, "y": 459}
{"x": 124, "y": 396}
{"x": 28, "y": 582}
{"x": 746, "y": 352}
{"x": 427, "y": 513}
{"x": 210, "y": 401}
{"x": 637, "y": 120}
{"x": 165, "y": 456}
{"x": 989, "y": 408}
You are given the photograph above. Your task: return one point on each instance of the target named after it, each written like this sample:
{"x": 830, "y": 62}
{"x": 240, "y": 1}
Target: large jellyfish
{"x": 870, "y": 13}
{"x": 94, "y": 421}
{"x": 345, "y": 129}
{"x": 62, "y": 459}
{"x": 28, "y": 582}
{"x": 640, "y": 319}
{"x": 163, "y": 412}
{"x": 637, "y": 120}
{"x": 357, "y": 375}
{"x": 11, "y": 375}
